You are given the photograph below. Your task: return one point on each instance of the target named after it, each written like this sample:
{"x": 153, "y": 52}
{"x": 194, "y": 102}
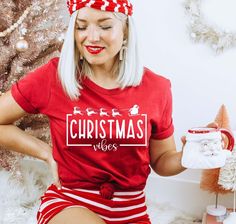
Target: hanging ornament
{"x": 61, "y": 37}
{"x": 22, "y": 45}
{"x": 19, "y": 69}
{"x": 60, "y": 40}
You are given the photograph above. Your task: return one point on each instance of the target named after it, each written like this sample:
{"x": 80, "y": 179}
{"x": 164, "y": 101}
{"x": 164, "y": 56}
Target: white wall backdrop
{"x": 201, "y": 79}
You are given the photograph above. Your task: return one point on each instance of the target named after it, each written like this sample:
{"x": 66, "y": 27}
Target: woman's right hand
{"x": 54, "y": 169}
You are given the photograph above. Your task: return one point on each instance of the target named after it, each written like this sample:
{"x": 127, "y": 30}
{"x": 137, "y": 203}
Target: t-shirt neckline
{"x": 93, "y": 86}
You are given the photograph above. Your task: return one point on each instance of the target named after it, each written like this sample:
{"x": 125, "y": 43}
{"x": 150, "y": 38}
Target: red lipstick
{"x": 94, "y": 49}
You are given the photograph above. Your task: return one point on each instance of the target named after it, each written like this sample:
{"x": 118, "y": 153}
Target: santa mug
{"x": 206, "y": 149}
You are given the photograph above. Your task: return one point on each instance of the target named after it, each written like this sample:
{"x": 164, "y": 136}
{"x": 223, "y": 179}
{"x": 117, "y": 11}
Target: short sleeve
{"x": 32, "y": 92}
{"x": 163, "y": 127}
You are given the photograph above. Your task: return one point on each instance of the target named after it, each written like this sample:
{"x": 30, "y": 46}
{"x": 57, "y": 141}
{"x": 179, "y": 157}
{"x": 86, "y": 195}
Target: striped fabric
{"x": 123, "y": 6}
{"x": 123, "y": 208}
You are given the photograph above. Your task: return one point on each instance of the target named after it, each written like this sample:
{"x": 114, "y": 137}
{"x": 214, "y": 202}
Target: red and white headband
{"x": 123, "y": 6}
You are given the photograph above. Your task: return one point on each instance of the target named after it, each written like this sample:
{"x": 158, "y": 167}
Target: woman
{"x": 109, "y": 119}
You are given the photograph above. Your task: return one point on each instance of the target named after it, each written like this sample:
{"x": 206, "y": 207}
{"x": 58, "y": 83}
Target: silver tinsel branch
{"x": 200, "y": 31}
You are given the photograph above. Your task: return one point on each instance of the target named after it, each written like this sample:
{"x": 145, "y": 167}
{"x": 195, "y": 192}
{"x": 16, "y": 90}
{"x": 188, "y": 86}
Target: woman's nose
{"x": 93, "y": 34}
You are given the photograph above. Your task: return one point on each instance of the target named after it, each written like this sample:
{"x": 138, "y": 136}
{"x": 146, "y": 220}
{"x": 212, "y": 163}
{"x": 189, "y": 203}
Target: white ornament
{"x": 193, "y": 35}
{"x": 22, "y": 45}
{"x": 19, "y": 69}
{"x": 23, "y": 31}
{"x": 61, "y": 37}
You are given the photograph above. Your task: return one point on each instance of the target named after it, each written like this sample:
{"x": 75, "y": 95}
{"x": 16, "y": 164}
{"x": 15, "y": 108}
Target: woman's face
{"x": 99, "y": 36}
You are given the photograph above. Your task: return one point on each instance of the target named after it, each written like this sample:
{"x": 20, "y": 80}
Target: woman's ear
{"x": 126, "y": 32}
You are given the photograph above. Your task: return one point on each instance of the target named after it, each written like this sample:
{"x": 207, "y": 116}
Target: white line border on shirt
{"x": 145, "y": 144}
{"x": 67, "y": 135}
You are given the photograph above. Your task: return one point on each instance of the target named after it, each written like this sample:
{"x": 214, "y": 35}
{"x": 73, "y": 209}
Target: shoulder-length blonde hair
{"x": 129, "y": 71}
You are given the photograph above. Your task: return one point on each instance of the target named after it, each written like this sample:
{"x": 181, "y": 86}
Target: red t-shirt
{"x": 104, "y": 135}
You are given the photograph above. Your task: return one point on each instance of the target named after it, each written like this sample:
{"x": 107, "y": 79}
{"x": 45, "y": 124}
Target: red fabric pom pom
{"x": 107, "y": 190}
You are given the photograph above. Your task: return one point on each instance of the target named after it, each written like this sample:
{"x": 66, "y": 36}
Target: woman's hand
{"x": 53, "y": 166}
{"x": 210, "y": 125}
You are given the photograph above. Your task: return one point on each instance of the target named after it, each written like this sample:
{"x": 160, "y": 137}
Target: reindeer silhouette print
{"x": 90, "y": 111}
{"x": 77, "y": 111}
{"x": 103, "y": 113}
{"x": 115, "y": 113}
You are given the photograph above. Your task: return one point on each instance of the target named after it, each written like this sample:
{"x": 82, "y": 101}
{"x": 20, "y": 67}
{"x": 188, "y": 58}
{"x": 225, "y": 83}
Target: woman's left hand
{"x": 210, "y": 125}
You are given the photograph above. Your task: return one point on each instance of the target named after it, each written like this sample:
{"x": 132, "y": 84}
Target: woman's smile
{"x": 94, "y": 49}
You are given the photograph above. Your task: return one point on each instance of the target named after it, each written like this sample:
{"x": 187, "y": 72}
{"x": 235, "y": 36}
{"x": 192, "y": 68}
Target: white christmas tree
{"x": 227, "y": 179}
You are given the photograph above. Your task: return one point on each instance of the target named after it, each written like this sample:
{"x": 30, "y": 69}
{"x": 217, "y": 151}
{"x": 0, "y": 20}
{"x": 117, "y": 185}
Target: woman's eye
{"x": 103, "y": 27}
{"x": 81, "y": 28}
{"x": 106, "y": 27}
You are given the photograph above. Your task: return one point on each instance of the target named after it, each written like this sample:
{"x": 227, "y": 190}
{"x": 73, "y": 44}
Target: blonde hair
{"x": 129, "y": 71}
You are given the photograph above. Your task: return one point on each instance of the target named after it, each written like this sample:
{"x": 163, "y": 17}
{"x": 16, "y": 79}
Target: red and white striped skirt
{"x": 123, "y": 208}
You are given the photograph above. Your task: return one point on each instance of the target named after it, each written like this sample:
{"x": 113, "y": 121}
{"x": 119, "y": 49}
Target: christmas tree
{"x": 31, "y": 33}
{"x": 227, "y": 179}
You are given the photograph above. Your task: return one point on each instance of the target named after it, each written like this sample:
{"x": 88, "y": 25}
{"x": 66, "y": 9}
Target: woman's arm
{"x": 165, "y": 160}
{"x": 18, "y": 140}
{"x": 13, "y": 137}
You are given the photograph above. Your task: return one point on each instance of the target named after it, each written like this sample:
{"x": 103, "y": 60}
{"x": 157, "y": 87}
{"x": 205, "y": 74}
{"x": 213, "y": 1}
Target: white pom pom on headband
{"x": 123, "y": 6}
